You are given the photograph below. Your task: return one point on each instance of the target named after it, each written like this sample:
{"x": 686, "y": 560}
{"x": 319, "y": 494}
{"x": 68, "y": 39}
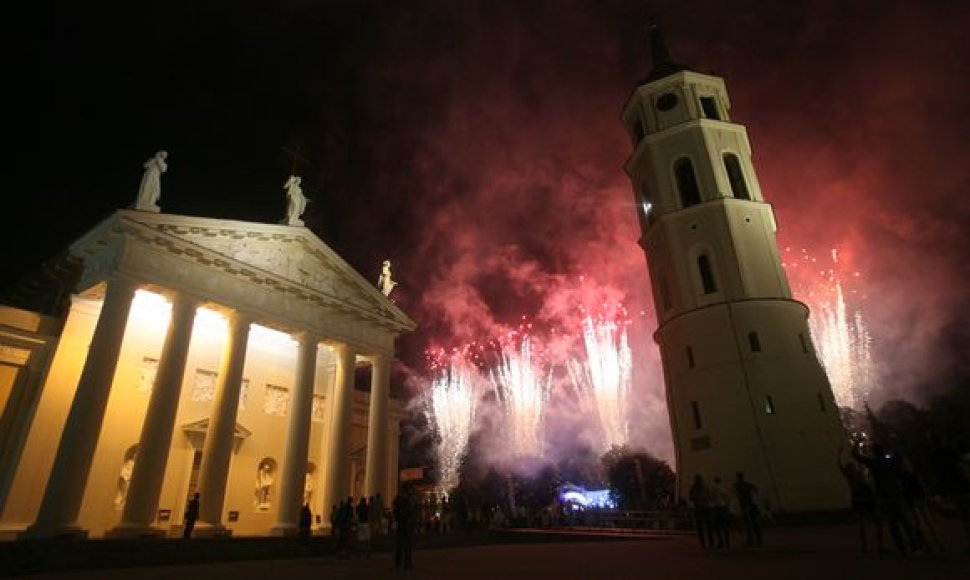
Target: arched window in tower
{"x": 690, "y": 192}
{"x": 709, "y": 106}
{"x": 739, "y": 187}
{"x": 707, "y": 274}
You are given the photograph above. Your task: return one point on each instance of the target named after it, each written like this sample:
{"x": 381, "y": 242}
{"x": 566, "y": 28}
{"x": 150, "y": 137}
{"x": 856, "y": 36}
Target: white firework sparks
{"x": 523, "y": 389}
{"x": 838, "y": 330}
{"x": 452, "y": 405}
{"x": 604, "y": 377}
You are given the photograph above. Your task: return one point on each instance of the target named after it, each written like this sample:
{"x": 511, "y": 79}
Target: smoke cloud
{"x": 509, "y": 118}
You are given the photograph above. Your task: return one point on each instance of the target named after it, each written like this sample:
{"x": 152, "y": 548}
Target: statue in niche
{"x": 124, "y": 479}
{"x": 150, "y": 189}
{"x": 308, "y": 488}
{"x": 295, "y": 201}
{"x": 385, "y": 282}
{"x": 264, "y": 483}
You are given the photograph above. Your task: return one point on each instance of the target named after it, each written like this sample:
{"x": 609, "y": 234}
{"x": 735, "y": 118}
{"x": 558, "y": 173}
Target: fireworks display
{"x": 837, "y": 322}
{"x": 452, "y": 411}
{"x": 595, "y": 360}
{"x": 603, "y": 377}
{"x": 523, "y": 388}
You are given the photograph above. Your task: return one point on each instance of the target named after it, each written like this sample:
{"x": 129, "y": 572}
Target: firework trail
{"x": 523, "y": 388}
{"x": 838, "y": 326}
{"x": 603, "y": 377}
{"x": 452, "y": 412}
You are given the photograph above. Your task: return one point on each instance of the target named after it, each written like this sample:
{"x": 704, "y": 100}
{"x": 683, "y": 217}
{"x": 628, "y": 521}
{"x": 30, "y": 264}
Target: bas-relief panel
{"x": 276, "y": 400}
{"x": 287, "y": 257}
{"x": 203, "y": 383}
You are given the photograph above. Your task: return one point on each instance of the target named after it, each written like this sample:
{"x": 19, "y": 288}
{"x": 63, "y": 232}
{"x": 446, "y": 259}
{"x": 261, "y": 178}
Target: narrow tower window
{"x": 709, "y": 105}
{"x": 707, "y": 274}
{"x": 769, "y": 405}
{"x": 801, "y": 339}
{"x": 821, "y": 402}
{"x": 690, "y": 193}
{"x": 754, "y": 341}
{"x": 690, "y": 357}
{"x": 696, "y": 410}
{"x": 739, "y": 187}
{"x": 665, "y": 293}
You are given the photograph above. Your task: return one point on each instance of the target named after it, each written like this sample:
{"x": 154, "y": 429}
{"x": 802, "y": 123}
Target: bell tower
{"x": 745, "y": 390}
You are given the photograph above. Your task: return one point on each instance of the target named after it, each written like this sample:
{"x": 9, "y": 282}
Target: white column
{"x": 219, "y": 439}
{"x": 338, "y": 456}
{"x": 72, "y": 462}
{"x": 141, "y": 502}
{"x": 297, "y": 438}
{"x": 375, "y": 476}
{"x": 393, "y": 465}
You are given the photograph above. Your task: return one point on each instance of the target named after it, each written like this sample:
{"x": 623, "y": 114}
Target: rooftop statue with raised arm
{"x": 385, "y": 282}
{"x": 295, "y": 201}
{"x": 150, "y": 189}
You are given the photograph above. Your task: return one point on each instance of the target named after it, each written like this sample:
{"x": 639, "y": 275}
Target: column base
{"x": 284, "y": 530}
{"x": 210, "y": 531}
{"x": 135, "y": 531}
{"x": 53, "y": 533}
{"x": 9, "y": 532}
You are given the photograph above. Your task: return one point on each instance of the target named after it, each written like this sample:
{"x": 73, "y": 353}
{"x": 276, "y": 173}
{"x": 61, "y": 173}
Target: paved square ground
{"x": 817, "y": 553}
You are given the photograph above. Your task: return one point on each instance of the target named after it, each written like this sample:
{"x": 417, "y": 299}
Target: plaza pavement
{"x": 817, "y": 553}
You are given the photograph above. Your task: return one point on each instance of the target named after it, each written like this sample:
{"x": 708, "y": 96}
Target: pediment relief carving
{"x": 284, "y": 258}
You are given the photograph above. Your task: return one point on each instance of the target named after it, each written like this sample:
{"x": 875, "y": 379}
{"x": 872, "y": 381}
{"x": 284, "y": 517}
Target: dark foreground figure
{"x": 404, "y": 520}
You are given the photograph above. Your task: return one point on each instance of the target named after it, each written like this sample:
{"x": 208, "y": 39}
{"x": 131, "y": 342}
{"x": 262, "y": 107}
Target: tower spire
{"x": 663, "y": 64}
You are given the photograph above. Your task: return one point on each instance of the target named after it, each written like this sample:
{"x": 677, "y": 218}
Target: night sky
{"x": 478, "y": 144}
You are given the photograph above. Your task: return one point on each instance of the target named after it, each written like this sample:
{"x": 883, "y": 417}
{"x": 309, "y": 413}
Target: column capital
{"x": 183, "y": 300}
{"x": 121, "y": 283}
{"x": 342, "y": 348}
{"x": 377, "y": 358}
{"x": 306, "y": 337}
{"x": 238, "y": 317}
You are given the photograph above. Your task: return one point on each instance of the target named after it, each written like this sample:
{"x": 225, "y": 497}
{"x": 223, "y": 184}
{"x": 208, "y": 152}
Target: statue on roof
{"x": 151, "y": 183}
{"x": 385, "y": 282}
{"x": 295, "y": 201}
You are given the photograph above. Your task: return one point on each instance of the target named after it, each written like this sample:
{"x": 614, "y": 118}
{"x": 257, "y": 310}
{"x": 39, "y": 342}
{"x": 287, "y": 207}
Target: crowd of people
{"x": 354, "y": 525}
{"x": 887, "y": 491}
{"x": 712, "y": 515}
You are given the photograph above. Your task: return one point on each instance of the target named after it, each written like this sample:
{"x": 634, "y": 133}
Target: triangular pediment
{"x": 287, "y": 258}
{"x": 201, "y": 427}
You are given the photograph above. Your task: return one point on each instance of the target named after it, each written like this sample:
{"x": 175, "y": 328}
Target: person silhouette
{"x": 191, "y": 515}
{"x": 863, "y": 498}
{"x": 405, "y": 515}
{"x": 750, "y": 514}
{"x": 306, "y": 520}
{"x": 700, "y": 497}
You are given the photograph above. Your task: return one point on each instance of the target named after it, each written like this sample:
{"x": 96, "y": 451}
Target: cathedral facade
{"x": 203, "y": 356}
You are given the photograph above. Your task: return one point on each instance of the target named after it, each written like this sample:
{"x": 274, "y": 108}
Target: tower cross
{"x": 295, "y": 157}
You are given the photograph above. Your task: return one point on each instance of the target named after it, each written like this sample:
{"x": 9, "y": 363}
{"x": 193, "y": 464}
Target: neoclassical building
{"x": 198, "y": 355}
